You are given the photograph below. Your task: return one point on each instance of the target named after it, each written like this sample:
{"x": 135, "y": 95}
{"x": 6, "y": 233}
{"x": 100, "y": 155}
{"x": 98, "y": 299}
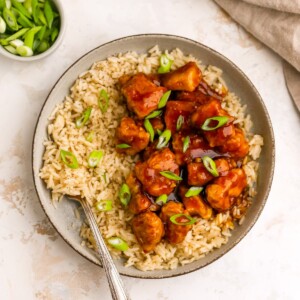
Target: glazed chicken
{"x": 171, "y": 187}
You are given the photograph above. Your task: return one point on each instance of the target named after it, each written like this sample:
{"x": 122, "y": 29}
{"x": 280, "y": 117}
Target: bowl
{"x": 59, "y": 6}
{"x": 63, "y": 218}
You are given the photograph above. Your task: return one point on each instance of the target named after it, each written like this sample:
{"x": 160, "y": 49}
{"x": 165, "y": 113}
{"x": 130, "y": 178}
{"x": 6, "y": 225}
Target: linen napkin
{"x": 276, "y": 23}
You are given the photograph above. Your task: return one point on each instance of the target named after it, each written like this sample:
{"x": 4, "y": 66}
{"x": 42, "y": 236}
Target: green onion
{"x": 124, "y": 194}
{"x": 16, "y": 43}
{"x": 118, "y": 243}
{"x": 104, "y": 205}
{"x": 123, "y": 146}
{"x": 170, "y": 175}
{"x": 81, "y": 121}
{"x": 159, "y": 132}
{"x": 174, "y": 218}
{"x": 194, "y": 191}
{"x": 162, "y": 199}
{"x": 163, "y": 139}
{"x": 48, "y": 13}
{"x": 210, "y": 166}
{"x": 94, "y": 158}
{"x": 27, "y": 5}
{"x": 103, "y": 101}
{"x": 24, "y": 21}
{"x": 42, "y": 18}
{"x": 164, "y": 99}
{"x": 2, "y": 4}
{"x": 8, "y": 4}
{"x": 154, "y": 114}
{"x": 20, "y": 8}
{"x": 149, "y": 128}
{"x": 11, "y": 49}
{"x": 2, "y": 25}
{"x": 165, "y": 64}
{"x": 69, "y": 159}
{"x": 29, "y": 36}
{"x": 90, "y": 136}
{"x": 186, "y": 144}
{"x": 179, "y": 122}
{"x": 10, "y": 19}
{"x": 222, "y": 120}
{"x": 54, "y": 34}
{"x": 35, "y": 10}
{"x": 24, "y": 51}
{"x": 17, "y": 35}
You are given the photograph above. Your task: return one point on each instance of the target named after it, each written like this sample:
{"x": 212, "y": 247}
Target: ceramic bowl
{"x": 63, "y": 218}
{"x": 59, "y": 6}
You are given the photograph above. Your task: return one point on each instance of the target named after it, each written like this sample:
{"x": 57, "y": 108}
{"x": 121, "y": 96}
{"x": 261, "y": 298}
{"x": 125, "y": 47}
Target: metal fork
{"x": 115, "y": 282}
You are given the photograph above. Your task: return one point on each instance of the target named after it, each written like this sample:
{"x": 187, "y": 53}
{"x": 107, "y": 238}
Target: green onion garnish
{"x": 163, "y": 139}
{"x": 210, "y": 166}
{"x": 94, "y": 158}
{"x": 164, "y": 99}
{"x": 24, "y": 51}
{"x": 80, "y": 122}
{"x": 170, "y": 175}
{"x": 69, "y": 159}
{"x": 2, "y": 25}
{"x": 29, "y": 36}
{"x": 118, "y": 243}
{"x": 194, "y": 191}
{"x": 186, "y": 143}
{"x": 90, "y": 136}
{"x": 221, "y": 121}
{"x": 123, "y": 146}
{"x": 104, "y": 205}
{"x": 174, "y": 218}
{"x": 10, "y": 19}
{"x": 149, "y": 128}
{"x": 162, "y": 199}
{"x": 11, "y": 49}
{"x": 17, "y": 35}
{"x": 159, "y": 132}
{"x": 154, "y": 114}
{"x": 165, "y": 64}
{"x": 179, "y": 122}
{"x": 48, "y": 13}
{"x": 124, "y": 194}
{"x": 103, "y": 101}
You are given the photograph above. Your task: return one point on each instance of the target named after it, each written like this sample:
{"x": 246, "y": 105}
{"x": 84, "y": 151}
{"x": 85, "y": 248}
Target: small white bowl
{"x": 59, "y": 6}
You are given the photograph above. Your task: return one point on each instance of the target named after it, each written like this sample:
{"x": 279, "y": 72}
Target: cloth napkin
{"x": 276, "y": 23}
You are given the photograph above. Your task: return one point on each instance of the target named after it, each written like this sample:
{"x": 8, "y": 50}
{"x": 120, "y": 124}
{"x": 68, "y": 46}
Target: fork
{"x": 115, "y": 282}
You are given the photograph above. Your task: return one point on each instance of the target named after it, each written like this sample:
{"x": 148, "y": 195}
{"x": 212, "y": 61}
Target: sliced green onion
{"x": 8, "y": 4}
{"x": 81, "y": 121}
{"x": 42, "y": 18}
{"x": 48, "y": 13}
{"x": 149, "y": 128}
{"x": 221, "y": 121}
{"x": 69, "y": 159}
{"x": 104, "y": 205}
{"x": 2, "y": 25}
{"x": 194, "y": 191}
{"x": 165, "y": 64}
{"x": 24, "y": 51}
{"x": 35, "y": 10}
{"x": 186, "y": 143}
{"x": 10, "y": 19}
{"x": 118, "y": 243}
{"x": 11, "y": 49}
{"x": 124, "y": 194}
{"x": 162, "y": 199}
{"x": 174, "y": 218}
{"x": 2, "y": 4}
{"x": 27, "y": 5}
{"x": 103, "y": 100}
{"x": 94, "y": 158}
{"x": 123, "y": 146}
{"x": 17, "y": 35}
{"x": 21, "y": 8}
{"x": 16, "y": 43}
{"x": 43, "y": 46}
{"x": 164, "y": 99}
{"x": 159, "y": 132}
{"x": 210, "y": 166}
{"x": 170, "y": 175}
{"x": 23, "y": 21}
{"x": 179, "y": 122}
{"x": 29, "y": 36}
{"x": 154, "y": 114}
{"x": 54, "y": 34}
{"x": 90, "y": 136}
{"x": 163, "y": 139}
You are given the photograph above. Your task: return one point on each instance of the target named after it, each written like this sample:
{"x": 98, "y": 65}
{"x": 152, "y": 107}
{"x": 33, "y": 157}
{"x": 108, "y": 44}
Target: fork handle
{"x": 115, "y": 282}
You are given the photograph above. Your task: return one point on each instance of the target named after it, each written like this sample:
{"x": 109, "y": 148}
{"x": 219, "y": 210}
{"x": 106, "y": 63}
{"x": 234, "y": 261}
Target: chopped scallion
{"x": 124, "y": 194}
{"x": 194, "y": 191}
{"x": 103, "y": 101}
{"x": 162, "y": 199}
{"x": 118, "y": 243}
{"x": 81, "y": 121}
{"x": 154, "y": 114}
{"x": 149, "y": 128}
{"x": 94, "y": 158}
{"x": 164, "y": 99}
{"x": 123, "y": 146}
{"x": 165, "y": 64}
{"x": 186, "y": 144}
{"x": 2, "y": 25}
{"x": 69, "y": 159}
{"x": 104, "y": 205}
{"x": 184, "y": 219}
{"x": 179, "y": 122}
{"x": 24, "y": 51}
{"x": 210, "y": 166}
{"x": 221, "y": 121}
{"x": 164, "y": 139}
{"x": 170, "y": 175}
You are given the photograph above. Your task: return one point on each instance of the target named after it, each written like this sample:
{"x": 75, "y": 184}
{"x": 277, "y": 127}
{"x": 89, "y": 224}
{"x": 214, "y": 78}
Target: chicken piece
{"x": 237, "y": 145}
{"x": 148, "y": 172}
{"x": 195, "y": 205}
{"x": 175, "y": 234}
{"x": 148, "y": 230}
{"x": 222, "y": 193}
{"x": 174, "y": 109}
{"x": 199, "y": 176}
{"x": 139, "y": 202}
{"x": 157, "y": 124}
{"x": 198, "y": 147}
{"x": 211, "y": 109}
{"x": 142, "y": 94}
{"x": 186, "y": 78}
{"x": 132, "y": 134}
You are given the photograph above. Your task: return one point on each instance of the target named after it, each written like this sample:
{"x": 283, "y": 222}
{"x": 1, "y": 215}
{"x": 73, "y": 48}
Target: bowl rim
{"x": 63, "y": 25}
{"x": 272, "y": 166}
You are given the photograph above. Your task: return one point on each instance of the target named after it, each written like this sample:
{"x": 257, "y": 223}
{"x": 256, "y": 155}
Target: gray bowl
{"x": 63, "y": 217}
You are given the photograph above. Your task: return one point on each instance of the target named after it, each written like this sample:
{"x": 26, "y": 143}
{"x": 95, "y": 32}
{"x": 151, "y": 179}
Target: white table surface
{"x": 35, "y": 263}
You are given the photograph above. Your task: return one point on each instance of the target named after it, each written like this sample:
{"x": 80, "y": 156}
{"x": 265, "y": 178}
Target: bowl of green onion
{"x": 30, "y": 29}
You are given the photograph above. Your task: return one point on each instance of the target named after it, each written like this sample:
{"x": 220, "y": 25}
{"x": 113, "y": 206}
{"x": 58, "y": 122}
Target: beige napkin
{"x": 274, "y": 22}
